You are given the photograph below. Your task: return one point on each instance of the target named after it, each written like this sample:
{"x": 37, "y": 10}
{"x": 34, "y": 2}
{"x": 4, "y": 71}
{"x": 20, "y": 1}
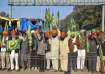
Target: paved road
{"x": 34, "y": 72}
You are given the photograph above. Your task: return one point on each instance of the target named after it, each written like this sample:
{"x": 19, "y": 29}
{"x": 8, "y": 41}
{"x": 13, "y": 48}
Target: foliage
{"x": 48, "y": 18}
{"x": 72, "y": 25}
{"x": 87, "y": 15}
{"x": 84, "y": 15}
{"x": 29, "y": 35}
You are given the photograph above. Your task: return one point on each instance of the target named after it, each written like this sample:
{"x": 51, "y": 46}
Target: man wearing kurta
{"x": 5, "y": 61}
{"x": 81, "y": 50}
{"x": 64, "y": 50}
{"x": 14, "y": 46}
{"x": 54, "y": 41}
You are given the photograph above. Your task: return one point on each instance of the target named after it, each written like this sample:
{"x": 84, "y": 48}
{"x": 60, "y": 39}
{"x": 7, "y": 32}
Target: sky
{"x": 35, "y": 11}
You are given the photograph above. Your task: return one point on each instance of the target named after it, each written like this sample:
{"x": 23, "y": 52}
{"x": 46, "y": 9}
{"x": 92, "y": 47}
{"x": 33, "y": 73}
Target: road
{"x": 35, "y": 72}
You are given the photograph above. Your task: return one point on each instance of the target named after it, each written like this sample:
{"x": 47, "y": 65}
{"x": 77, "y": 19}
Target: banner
{"x": 13, "y": 44}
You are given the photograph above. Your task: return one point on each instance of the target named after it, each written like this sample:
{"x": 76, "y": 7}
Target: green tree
{"x": 73, "y": 26}
{"x": 84, "y": 15}
{"x": 49, "y": 19}
{"x": 87, "y": 15}
{"x": 58, "y": 19}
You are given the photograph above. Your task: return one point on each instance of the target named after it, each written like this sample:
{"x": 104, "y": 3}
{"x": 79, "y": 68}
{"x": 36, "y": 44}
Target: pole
{"x": 103, "y": 17}
{"x": 10, "y": 11}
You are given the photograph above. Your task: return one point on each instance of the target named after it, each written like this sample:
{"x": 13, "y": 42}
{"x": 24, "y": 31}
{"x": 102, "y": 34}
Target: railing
{"x": 90, "y": 62}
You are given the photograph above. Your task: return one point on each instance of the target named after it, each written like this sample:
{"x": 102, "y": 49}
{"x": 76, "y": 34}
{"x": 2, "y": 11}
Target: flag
{"x": 23, "y": 25}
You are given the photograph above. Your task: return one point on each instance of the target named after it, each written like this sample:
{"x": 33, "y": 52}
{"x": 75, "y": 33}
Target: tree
{"x": 58, "y": 19}
{"x": 49, "y": 19}
{"x": 73, "y": 26}
{"x": 87, "y": 15}
{"x": 84, "y": 15}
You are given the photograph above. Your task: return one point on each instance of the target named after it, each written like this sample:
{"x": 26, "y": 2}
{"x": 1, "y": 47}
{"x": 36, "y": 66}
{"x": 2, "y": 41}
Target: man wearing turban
{"x": 14, "y": 46}
{"x": 54, "y": 42}
{"x": 64, "y": 50}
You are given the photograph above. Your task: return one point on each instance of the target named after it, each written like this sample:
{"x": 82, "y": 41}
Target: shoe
{"x": 17, "y": 70}
{"x": 47, "y": 70}
{"x": 40, "y": 70}
{"x": 28, "y": 69}
{"x": 8, "y": 69}
{"x": 35, "y": 68}
{"x": 3, "y": 69}
{"x": 61, "y": 70}
{"x": 32, "y": 68}
{"x": 55, "y": 71}
{"x": 11, "y": 69}
{"x": 22, "y": 69}
{"x": 65, "y": 72}
{"x": 94, "y": 72}
{"x": 75, "y": 70}
{"x": 82, "y": 70}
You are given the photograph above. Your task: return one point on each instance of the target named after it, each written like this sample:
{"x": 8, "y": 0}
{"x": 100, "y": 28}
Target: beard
{"x": 54, "y": 35}
{"x": 62, "y": 38}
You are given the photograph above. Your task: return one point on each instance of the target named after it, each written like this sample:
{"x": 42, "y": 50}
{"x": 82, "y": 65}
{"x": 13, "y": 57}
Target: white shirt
{"x": 3, "y": 49}
{"x": 75, "y": 46}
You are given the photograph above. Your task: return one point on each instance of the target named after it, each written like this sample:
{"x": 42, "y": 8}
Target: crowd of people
{"x": 57, "y": 52}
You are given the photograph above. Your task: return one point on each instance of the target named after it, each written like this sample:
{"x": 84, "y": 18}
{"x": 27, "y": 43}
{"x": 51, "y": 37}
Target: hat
{"x": 82, "y": 30}
{"x": 63, "y": 29}
{"x": 93, "y": 34}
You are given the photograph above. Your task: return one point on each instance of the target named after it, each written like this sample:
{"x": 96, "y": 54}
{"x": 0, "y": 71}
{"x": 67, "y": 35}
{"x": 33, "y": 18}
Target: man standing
{"x": 54, "y": 42}
{"x": 41, "y": 51}
{"x": 73, "y": 52}
{"x": 34, "y": 50}
{"x": 81, "y": 50}
{"x": 64, "y": 50}
{"x": 101, "y": 47}
{"x": 24, "y": 51}
{"x": 14, "y": 45}
{"x": 48, "y": 55}
{"x": 5, "y": 54}
{"x": 92, "y": 55}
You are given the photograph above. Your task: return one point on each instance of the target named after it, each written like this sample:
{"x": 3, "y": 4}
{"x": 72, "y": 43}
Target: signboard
{"x": 54, "y": 2}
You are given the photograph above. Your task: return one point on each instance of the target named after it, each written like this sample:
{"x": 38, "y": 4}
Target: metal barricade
{"x": 90, "y": 63}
